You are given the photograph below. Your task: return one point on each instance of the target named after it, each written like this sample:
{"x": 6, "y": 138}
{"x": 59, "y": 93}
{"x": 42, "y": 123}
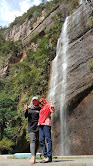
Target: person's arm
{"x": 26, "y": 112}
{"x": 52, "y": 109}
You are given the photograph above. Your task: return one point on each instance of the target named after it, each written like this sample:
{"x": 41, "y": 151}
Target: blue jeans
{"x": 45, "y": 134}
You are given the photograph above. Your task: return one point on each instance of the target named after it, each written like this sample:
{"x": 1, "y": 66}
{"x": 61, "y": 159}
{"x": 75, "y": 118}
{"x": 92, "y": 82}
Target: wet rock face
{"x": 78, "y": 22}
{"x": 79, "y": 90}
{"x": 80, "y": 55}
{"x": 79, "y": 95}
{"x": 80, "y": 122}
{"x": 80, "y": 77}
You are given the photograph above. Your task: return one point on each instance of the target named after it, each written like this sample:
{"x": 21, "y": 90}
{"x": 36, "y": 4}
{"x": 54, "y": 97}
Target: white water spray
{"x": 80, "y": 2}
{"x": 58, "y": 84}
{"x": 64, "y": 38}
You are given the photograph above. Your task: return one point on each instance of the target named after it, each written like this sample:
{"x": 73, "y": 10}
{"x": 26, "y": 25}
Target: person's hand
{"x": 25, "y": 106}
{"x": 52, "y": 110}
{"x": 50, "y": 102}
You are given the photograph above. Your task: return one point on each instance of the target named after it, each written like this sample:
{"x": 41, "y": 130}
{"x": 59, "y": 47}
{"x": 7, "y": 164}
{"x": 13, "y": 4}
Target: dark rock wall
{"x": 80, "y": 122}
{"x": 79, "y": 92}
{"x": 79, "y": 76}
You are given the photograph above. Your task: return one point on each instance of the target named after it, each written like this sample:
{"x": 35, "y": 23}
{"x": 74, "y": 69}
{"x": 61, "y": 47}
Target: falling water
{"x": 64, "y": 38}
{"x": 80, "y": 2}
{"x": 58, "y": 83}
{"x": 83, "y": 2}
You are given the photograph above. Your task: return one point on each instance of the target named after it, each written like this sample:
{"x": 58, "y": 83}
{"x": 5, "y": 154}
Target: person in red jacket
{"x": 44, "y": 123}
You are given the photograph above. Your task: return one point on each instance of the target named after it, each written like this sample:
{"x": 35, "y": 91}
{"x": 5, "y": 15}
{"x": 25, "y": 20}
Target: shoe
{"x": 47, "y": 160}
{"x": 43, "y": 160}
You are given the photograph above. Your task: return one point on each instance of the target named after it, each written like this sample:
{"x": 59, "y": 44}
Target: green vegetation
{"x": 91, "y": 66}
{"x": 11, "y": 126}
{"x": 7, "y": 122}
{"x": 8, "y": 48}
{"x": 89, "y": 23}
{"x": 72, "y": 5}
{"x": 6, "y": 145}
{"x": 27, "y": 78}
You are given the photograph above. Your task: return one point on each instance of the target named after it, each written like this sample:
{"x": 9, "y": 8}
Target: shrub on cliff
{"x": 6, "y": 146}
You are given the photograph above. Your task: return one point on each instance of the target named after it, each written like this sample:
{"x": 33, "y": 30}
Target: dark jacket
{"x": 33, "y": 116}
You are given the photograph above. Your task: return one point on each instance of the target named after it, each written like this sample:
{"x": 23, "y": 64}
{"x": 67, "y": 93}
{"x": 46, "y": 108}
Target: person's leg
{"x": 42, "y": 140}
{"x": 47, "y": 132}
{"x": 37, "y": 141}
{"x": 32, "y": 137}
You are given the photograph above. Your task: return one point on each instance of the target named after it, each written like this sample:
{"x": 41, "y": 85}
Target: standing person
{"x": 32, "y": 113}
{"x": 44, "y": 123}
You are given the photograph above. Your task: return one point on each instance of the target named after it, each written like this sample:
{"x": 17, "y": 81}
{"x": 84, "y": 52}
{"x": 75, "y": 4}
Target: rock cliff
{"x": 80, "y": 82}
{"x": 12, "y": 60}
{"x": 27, "y": 31}
{"x": 78, "y": 105}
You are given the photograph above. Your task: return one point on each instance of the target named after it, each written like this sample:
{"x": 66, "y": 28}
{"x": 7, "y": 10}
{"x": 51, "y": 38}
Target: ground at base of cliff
{"x": 56, "y": 162}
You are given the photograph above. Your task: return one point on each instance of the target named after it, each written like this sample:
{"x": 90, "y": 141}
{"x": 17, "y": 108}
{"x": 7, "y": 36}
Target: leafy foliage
{"x": 89, "y": 23}
{"x": 91, "y": 66}
{"x": 6, "y": 145}
{"x": 7, "y": 114}
{"x": 8, "y": 48}
{"x": 10, "y": 124}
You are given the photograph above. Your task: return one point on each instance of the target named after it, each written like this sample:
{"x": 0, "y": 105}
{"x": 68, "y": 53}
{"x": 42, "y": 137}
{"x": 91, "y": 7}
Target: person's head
{"x": 43, "y": 101}
{"x": 34, "y": 103}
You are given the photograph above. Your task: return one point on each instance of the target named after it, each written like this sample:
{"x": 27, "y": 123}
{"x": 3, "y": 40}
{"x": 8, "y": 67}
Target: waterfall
{"x": 64, "y": 39}
{"x": 83, "y": 2}
{"x": 80, "y": 2}
{"x": 58, "y": 84}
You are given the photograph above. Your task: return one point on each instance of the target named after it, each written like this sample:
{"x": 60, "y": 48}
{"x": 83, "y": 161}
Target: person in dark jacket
{"x": 32, "y": 113}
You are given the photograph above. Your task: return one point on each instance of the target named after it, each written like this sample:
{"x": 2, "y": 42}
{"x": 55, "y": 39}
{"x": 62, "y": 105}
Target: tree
{"x": 44, "y": 1}
{"x": 5, "y": 145}
{"x": 7, "y": 115}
